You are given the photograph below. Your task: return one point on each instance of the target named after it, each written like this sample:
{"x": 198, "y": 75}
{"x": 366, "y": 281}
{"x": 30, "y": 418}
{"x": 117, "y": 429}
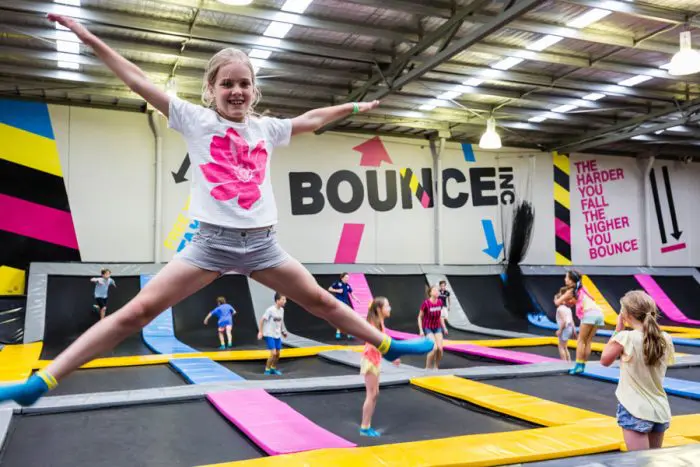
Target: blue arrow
{"x": 494, "y": 248}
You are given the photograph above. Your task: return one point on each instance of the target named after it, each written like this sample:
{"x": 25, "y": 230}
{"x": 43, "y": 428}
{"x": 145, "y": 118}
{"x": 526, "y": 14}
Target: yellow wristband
{"x": 384, "y": 346}
{"x": 48, "y": 379}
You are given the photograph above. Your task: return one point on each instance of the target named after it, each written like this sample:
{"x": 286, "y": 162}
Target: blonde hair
{"x": 642, "y": 307}
{"x": 374, "y": 317}
{"x": 221, "y": 58}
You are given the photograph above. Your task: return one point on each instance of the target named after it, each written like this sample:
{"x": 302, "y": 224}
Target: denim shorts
{"x": 628, "y": 421}
{"x": 593, "y": 317}
{"x": 224, "y": 249}
{"x": 566, "y": 334}
{"x": 427, "y": 331}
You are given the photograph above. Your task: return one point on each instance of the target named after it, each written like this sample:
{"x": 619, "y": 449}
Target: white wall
{"x": 108, "y": 164}
{"x": 108, "y": 159}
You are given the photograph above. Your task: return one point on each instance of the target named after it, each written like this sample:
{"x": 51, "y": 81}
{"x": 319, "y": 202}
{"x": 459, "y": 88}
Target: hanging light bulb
{"x": 686, "y": 61}
{"x": 490, "y": 139}
{"x": 171, "y": 87}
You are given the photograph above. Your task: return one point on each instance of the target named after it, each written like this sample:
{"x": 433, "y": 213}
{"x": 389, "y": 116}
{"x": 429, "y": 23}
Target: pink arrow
{"x": 373, "y": 152}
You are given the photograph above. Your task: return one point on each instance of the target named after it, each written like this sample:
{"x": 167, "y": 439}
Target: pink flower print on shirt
{"x": 236, "y": 169}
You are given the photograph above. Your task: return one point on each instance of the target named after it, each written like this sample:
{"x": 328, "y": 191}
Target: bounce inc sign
{"x": 478, "y": 186}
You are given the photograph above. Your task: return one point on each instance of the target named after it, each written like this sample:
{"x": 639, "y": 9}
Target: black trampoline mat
{"x": 189, "y": 314}
{"x": 403, "y": 414}
{"x": 450, "y": 360}
{"x": 301, "y": 322}
{"x": 582, "y": 392}
{"x": 481, "y": 298}
{"x": 688, "y": 349}
{"x": 165, "y": 435}
{"x": 118, "y": 379}
{"x": 69, "y": 313}
{"x": 683, "y": 292}
{"x": 688, "y": 373}
{"x": 307, "y": 367}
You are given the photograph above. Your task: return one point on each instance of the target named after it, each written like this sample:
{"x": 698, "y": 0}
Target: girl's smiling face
{"x": 233, "y": 91}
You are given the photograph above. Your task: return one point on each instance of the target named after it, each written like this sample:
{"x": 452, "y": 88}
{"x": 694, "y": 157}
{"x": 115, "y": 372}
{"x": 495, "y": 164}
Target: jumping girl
{"x": 431, "y": 323}
{"x": 565, "y": 326}
{"x": 370, "y": 365}
{"x": 588, "y": 313}
{"x": 643, "y": 411}
{"x": 231, "y": 197}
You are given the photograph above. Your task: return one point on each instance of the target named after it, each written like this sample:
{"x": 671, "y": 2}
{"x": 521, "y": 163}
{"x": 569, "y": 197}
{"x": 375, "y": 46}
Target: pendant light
{"x": 686, "y": 61}
{"x": 490, "y": 138}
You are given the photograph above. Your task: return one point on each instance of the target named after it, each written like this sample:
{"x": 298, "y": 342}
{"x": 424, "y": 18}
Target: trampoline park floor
{"x": 412, "y": 407}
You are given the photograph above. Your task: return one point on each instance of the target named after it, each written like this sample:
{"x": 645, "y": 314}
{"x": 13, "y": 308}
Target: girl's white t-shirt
{"x": 231, "y": 184}
{"x": 564, "y": 316}
{"x": 640, "y": 389}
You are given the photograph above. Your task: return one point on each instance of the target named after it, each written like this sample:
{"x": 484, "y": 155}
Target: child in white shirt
{"x": 643, "y": 411}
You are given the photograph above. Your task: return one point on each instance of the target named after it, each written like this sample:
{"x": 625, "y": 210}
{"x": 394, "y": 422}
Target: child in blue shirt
{"x": 342, "y": 290}
{"x": 102, "y": 285}
{"x": 224, "y": 312}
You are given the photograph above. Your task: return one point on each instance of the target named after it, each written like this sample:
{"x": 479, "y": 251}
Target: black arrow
{"x": 657, "y": 205}
{"x": 179, "y": 177}
{"x": 671, "y": 205}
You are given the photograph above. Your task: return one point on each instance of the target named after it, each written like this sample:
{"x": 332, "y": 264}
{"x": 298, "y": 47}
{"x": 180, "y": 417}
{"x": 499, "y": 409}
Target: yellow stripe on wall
{"x": 561, "y": 260}
{"x": 561, "y": 161}
{"x": 562, "y": 196}
{"x": 11, "y": 281}
{"x": 30, "y": 150}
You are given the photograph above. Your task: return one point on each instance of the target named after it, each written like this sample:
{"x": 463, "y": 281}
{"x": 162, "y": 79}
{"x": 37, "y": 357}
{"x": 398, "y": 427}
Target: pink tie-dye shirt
{"x": 230, "y": 178}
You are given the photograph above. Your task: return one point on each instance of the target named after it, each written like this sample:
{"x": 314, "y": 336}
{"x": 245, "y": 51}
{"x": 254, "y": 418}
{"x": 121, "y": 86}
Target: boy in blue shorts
{"x": 224, "y": 312}
{"x": 272, "y": 328}
{"x": 343, "y": 292}
{"x": 102, "y": 285}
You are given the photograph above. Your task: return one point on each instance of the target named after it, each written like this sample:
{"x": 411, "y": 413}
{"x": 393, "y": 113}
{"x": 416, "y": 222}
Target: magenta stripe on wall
{"x": 36, "y": 221}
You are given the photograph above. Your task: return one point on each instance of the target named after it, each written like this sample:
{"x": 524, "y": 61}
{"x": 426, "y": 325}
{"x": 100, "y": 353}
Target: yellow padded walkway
{"x": 465, "y": 451}
{"x": 220, "y": 356}
{"x": 17, "y": 361}
{"x": 522, "y": 406}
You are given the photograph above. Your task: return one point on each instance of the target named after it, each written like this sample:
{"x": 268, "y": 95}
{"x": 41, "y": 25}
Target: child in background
{"x": 224, "y": 312}
{"x": 102, "y": 285}
{"x": 431, "y": 324}
{"x": 272, "y": 328}
{"x": 343, "y": 292}
{"x": 565, "y": 322}
{"x": 588, "y": 312}
{"x": 370, "y": 365}
{"x": 643, "y": 411}
{"x": 444, "y": 296}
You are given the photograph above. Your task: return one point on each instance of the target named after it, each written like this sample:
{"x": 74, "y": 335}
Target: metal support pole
{"x": 436, "y": 152}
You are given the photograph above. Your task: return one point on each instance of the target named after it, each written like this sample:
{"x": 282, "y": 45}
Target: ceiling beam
{"x": 306, "y": 20}
{"x": 633, "y": 127}
{"x": 581, "y": 62}
{"x": 453, "y": 49}
{"x": 643, "y": 10}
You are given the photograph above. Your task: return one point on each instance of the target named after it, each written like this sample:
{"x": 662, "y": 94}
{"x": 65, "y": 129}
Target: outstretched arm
{"x": 132, "y": 75}
{"x": 315, "y": 119}
{"x": 206, "y": 320}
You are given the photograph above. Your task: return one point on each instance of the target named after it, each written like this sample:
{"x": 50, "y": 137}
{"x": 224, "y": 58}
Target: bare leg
{"x": 103, "y": 311}
{"x": 294, "y": 281}
{"x": 564, "y": 352}
{"x": 372, "y": 386}
{"x": 430, "y": 358}
{"x": 229, "y": 335}
{"x": 656, "y": 440}
{"x": 221, "y": 338}
{"x": 438, "y": 350}
{"x": 270, "y": 360}
{"x": 176, "y": 281}
{"x": 589, "y": 343}
{"x": 584, "y": 335}
{"x": 635, "y": 441}
{"x": 275, "y": 358}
